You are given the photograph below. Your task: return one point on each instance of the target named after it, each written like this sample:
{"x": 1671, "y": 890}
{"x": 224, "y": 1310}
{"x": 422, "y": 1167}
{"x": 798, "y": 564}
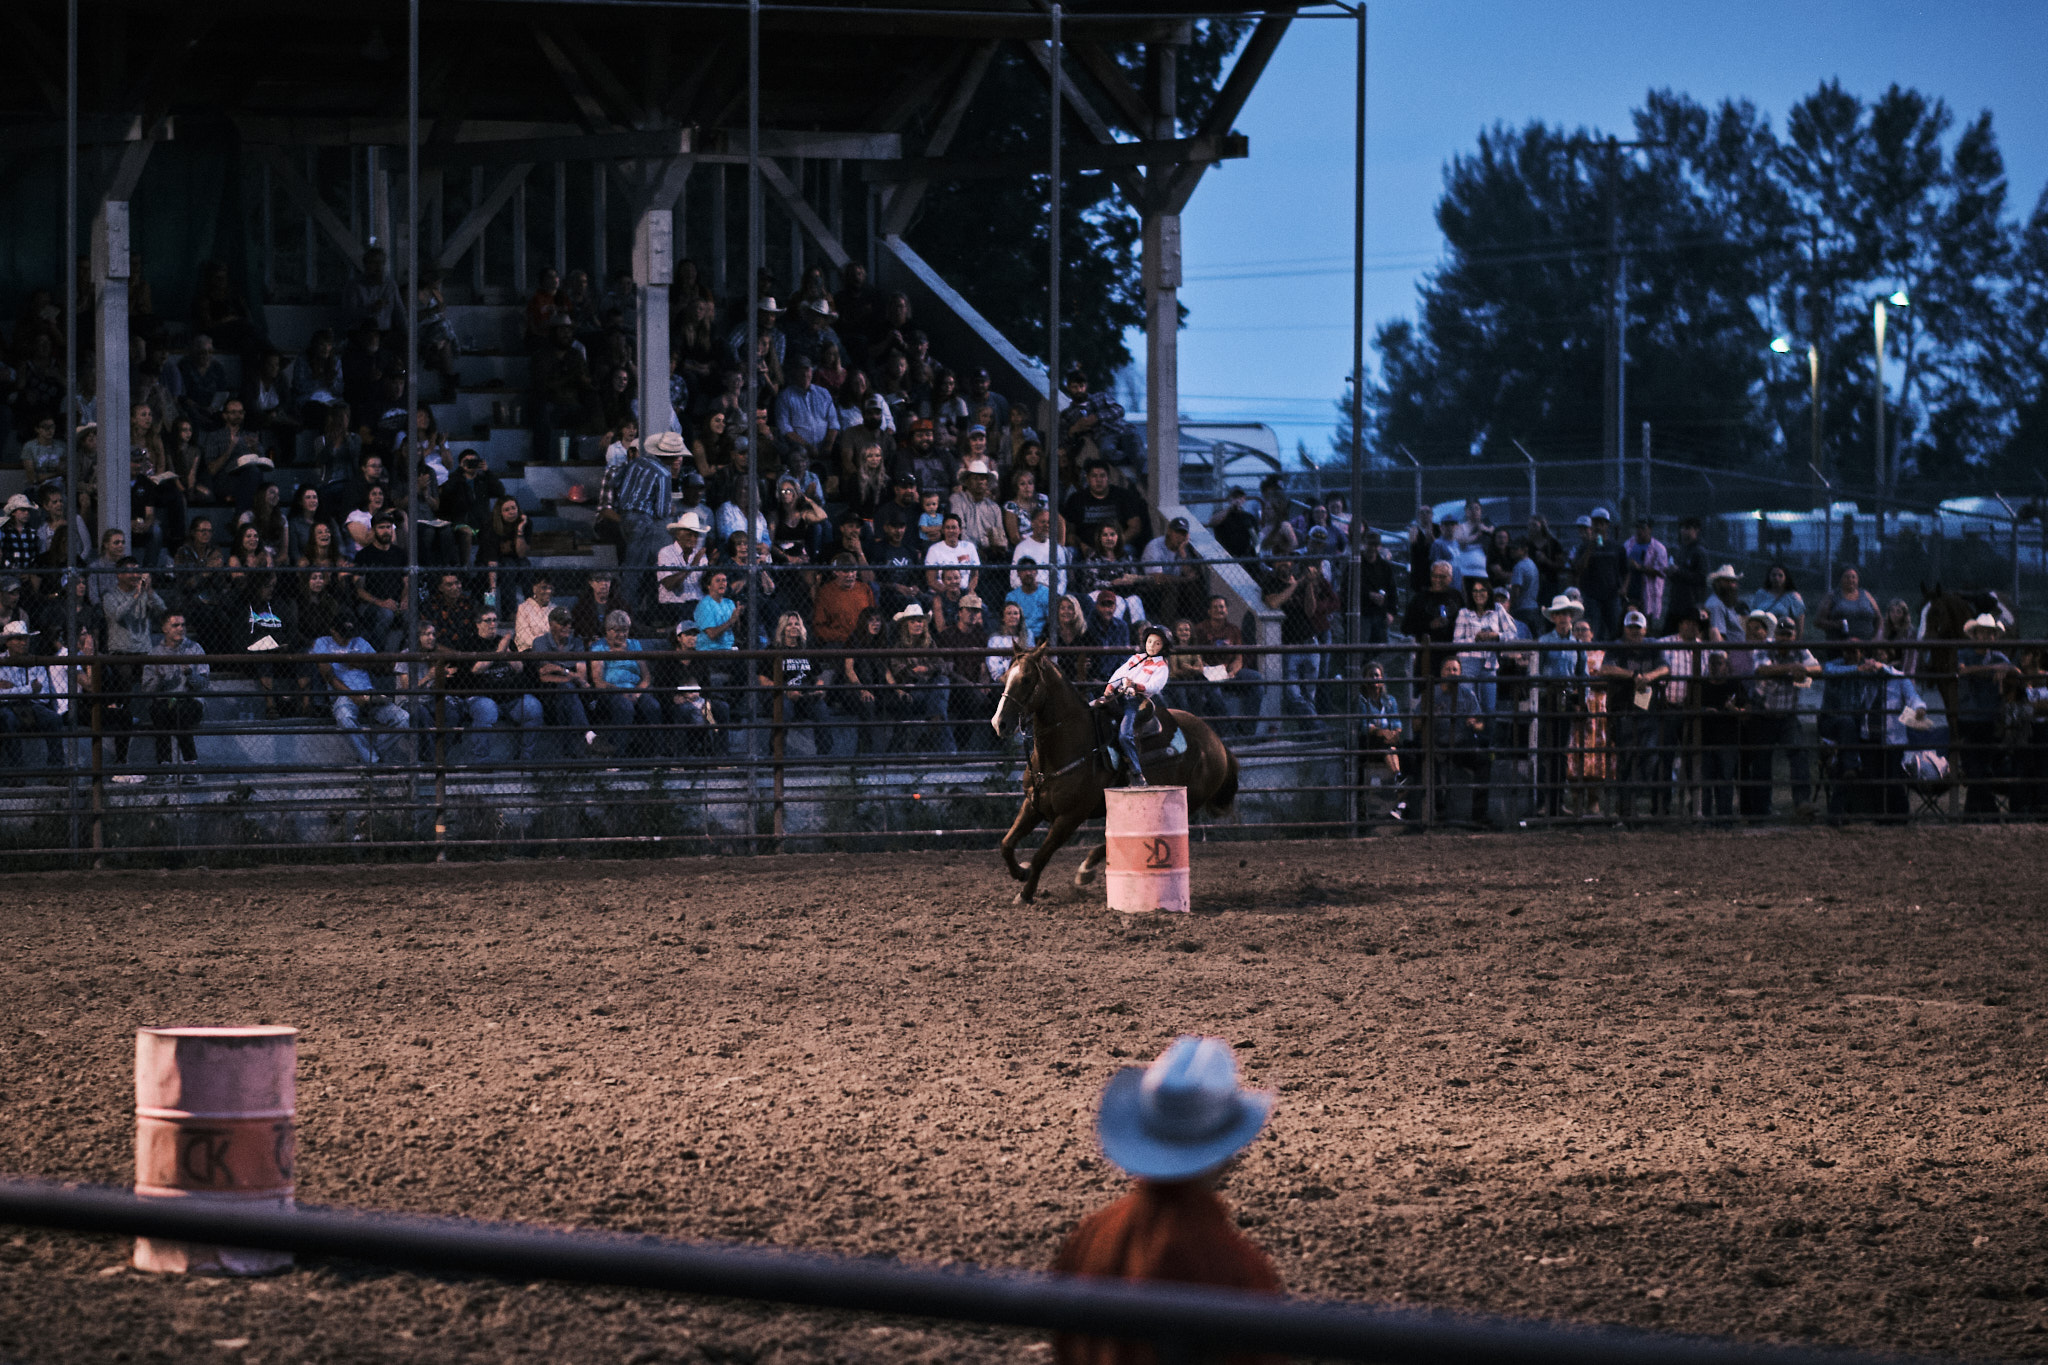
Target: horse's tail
{"x": 1226, "y": 794}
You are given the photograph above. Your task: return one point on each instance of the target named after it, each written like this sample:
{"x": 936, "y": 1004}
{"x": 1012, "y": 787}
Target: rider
{"x": 1141, "y": 676}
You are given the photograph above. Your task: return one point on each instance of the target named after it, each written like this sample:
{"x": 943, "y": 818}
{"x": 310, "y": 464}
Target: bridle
{"x": 1015, "y": 696}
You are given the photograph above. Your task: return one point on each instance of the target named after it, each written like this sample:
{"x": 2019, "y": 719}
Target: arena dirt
{"x": 1783, "y": 1086}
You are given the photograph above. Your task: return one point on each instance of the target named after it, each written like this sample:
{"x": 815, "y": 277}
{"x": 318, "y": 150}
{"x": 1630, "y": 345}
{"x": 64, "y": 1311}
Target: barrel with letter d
{"x": 214, "y": 1114}
{"x": 1147, "y": 837}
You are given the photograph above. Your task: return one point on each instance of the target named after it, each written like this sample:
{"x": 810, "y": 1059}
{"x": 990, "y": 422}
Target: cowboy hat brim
{"x": 1119, "y": 1127}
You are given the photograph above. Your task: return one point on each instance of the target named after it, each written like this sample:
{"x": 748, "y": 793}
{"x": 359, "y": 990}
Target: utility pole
{"x": 1614, "y": 419}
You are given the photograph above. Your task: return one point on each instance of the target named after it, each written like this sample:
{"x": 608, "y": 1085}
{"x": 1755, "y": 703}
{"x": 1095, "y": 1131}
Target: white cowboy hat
{"x": 913, "y": 611}
{"x": 1561, "y": 603}
{"x": 1985, "y": 622}
{"x": 1769, "y": 619}
{"x": 20, "y": 501}
{"x": 688, "y": 521}
{"x": 667, "y": 444}
{"x": 1182, "y": 1115}
{"x": 1726, "y": 571}
{"x": 976, "y": 467}
{"x": 16, "y": 628}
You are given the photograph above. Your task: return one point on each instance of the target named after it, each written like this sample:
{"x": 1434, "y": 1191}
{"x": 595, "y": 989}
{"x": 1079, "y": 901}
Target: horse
{"x": 1068, "y": 773}
{"x": 1942, "y": 617}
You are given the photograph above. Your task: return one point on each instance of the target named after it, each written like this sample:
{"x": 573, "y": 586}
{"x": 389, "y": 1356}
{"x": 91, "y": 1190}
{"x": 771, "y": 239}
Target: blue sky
{"x": 1267, "y": 242}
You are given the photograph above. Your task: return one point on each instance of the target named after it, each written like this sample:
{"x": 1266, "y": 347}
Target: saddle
{"x": 1158, "y": 734}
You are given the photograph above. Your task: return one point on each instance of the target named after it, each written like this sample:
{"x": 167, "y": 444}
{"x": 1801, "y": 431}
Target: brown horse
{"x": 1942, "y": 617}
{"x": 1067, "y": 774}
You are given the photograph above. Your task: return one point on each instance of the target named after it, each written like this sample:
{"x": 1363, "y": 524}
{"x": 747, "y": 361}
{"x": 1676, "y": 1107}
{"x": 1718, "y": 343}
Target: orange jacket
{"x": 1179, "y": 1232}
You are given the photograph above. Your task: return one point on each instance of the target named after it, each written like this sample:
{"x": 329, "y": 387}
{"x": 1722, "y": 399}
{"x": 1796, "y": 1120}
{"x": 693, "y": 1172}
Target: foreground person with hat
{"x": 1173, "y": 1126}
{"x": 1563, "y": 671}
{"x": 1980, "y": 669}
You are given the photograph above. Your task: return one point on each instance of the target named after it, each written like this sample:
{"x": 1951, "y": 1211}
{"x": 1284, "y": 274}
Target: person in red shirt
{"x": 1174, "y": 1126}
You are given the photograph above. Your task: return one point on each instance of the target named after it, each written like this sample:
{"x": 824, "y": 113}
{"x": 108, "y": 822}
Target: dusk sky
{"x": 1268, "y": 241}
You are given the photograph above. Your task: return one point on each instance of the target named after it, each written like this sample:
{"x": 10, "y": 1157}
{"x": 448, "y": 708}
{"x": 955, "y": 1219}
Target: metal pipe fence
{"x": 1184, "y": 1323}
{"x": 1495, "y": 734}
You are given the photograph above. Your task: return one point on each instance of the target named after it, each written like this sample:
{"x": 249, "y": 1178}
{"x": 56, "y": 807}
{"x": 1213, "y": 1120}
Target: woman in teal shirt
{"x": 622, "y": 685}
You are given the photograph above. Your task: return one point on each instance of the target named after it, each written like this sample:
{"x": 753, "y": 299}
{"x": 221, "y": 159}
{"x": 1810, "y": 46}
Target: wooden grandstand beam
{"x": 1230, "y": 101}
{"x": 1104, "y": 156}
{"x": 903, "y": 203}
{"x": 1133, "y": 182}
{"x": 479, "y": 217}
{"x": 779, "y": 184}
{"x": 1115, "y": 84}
{"x": 310, "y": 203}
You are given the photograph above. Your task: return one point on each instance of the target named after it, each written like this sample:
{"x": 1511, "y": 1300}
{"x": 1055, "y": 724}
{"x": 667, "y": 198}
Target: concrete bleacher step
{"x": 506, "y": 373}
{"x": 491, "y": 329}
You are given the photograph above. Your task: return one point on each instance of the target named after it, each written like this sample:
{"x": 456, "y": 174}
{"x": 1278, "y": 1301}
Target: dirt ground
{"x": 1780, "y": 1086}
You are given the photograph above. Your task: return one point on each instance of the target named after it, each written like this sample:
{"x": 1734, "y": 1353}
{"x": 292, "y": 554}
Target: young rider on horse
{"x": 1141, "y": 676}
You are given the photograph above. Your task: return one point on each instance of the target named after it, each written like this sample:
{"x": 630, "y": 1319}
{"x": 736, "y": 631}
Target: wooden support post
{"x": 599, "y": 268}
{"x": 561, "y": 218}
{"x": 110, "y": 283}
{"x": 718, "y": 230}
{"x": 653, "y": 272}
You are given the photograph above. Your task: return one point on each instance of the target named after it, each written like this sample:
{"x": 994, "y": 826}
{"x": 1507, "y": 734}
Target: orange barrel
{"x": 213, "y": 1120}
{"x": 1148, "y": 849}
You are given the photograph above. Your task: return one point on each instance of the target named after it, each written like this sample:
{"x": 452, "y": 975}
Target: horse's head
{"x": 1024, "y": 689}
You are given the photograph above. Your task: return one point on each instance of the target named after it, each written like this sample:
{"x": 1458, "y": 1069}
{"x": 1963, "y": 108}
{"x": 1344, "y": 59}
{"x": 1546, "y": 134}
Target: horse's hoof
{"x": 1085, "y": 877}
{"x": 1022, "y": 898}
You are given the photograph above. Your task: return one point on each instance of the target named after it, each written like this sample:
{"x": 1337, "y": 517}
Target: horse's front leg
{"x": 1026, "y": 821}
{"x": 1090, "y": 865}
{"x": 1055, "y": 838}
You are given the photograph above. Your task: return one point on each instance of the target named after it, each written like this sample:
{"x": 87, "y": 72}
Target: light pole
{"x": 1782, "y": 345}
{"x": 1885, "y": 469}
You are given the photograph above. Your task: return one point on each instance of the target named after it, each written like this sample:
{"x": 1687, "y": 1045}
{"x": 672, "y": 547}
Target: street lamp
{"x": 1782, "y": 345}
{"x": 1887, "y": 476}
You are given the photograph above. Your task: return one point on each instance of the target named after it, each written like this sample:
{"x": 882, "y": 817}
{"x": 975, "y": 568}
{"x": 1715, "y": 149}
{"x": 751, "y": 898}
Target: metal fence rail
{"x": 1364, "y": 742}
{"x": 1185, "y": 1323}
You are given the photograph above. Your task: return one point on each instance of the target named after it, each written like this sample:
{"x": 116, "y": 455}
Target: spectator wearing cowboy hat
{"x": 1725, "y": 607}
{"x": 1980, "y": 669}
{"x": 1563, "y": 674}
{"x": 811, "y": 332}
{"x": 981, "y": 516}
{"x": 678, "y": 573}
{"x": 1173, "y": 1127}
{"x": 28, "y": 704}
{"x": 646, "y": 485}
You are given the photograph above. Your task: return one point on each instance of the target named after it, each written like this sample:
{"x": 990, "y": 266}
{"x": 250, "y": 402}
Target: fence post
{"x": 1427, "y": 682}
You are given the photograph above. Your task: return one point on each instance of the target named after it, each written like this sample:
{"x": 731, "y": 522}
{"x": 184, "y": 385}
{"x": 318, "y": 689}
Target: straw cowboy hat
{"x": 1726, "y": 571}
{"x": 1769, "y": 619}
{"x": 1562, "y": 603}
{"x": 1985, "y": 622}
{"x": 667, "y": 444}
{"x": 913, "y": 612}
{"x": 15, "y": 628}
{"x": 691, "y": 520}
{"x": 1182, "y": 1115}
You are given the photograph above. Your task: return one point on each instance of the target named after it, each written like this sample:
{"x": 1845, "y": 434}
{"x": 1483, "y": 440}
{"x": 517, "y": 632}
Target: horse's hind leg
{"x": 1086, "y": 873}
{"x": 1055, "y": 838}
{"x": 1026, "y": 821}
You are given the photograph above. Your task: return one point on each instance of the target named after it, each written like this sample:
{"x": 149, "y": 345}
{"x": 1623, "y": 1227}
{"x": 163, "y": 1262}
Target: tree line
{"x": 1735, "y": 233}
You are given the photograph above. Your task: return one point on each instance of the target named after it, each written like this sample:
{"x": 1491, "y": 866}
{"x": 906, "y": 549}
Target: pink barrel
{"x": 214, "y": 1120}
{"x": 1148, "y": 849}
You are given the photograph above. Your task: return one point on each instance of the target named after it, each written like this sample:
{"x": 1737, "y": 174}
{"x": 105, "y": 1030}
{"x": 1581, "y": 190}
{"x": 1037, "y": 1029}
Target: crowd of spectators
{"x": 1662, "y": 680}
{"x": 879, "y": 525}
{"x": 898, "y": 505}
